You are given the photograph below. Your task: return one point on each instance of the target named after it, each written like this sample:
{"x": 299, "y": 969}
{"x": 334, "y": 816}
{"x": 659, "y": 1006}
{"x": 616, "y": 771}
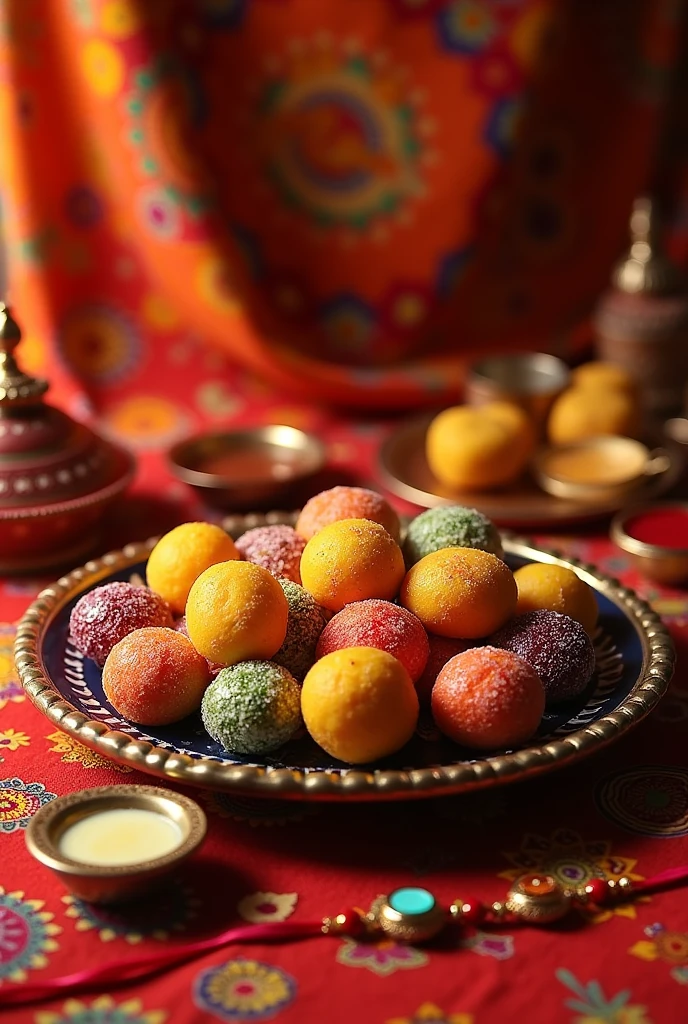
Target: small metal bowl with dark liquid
{"x": 247, "y": 468}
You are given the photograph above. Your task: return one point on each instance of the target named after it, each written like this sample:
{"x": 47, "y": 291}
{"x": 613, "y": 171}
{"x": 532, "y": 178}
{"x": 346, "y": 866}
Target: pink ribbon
{"x": 122, "y": 972}
{"x": 664, "y": 880}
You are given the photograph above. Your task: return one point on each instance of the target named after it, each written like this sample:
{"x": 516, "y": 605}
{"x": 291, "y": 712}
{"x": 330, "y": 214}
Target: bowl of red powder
{"x": 656, "y": 537}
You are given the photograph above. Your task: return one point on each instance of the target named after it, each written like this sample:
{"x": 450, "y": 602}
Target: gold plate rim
{"x": 353, "y": 785}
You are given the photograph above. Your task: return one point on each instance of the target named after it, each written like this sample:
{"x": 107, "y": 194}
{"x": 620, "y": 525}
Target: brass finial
{"x": 646, "y": 268}
{"x": 16, "y": 387}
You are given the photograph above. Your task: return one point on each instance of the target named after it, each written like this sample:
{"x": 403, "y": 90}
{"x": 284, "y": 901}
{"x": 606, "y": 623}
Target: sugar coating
{"x": 346, "y": 503}
{"x": 101, "y": 618}
{"x": 488, "y": 698}
{"x": 381, "y": 624}
{"x": 154, "y": 676}
{"x": 236, "y": 611}
{"x": 556, "y": 646}
{"x": 213, "y": 666}
{"x": 359, "y": 704}
{"x": 277, "y": 548}
{"x": 450, "y": 526}
{"x": 441, "y": 650}
{"x": 463, "y": 593}
{"x": 305, "y": 623}
{"x": 252, "y": 707}
{"x": 558, "y": 589}
{"x": 351, "y": 560}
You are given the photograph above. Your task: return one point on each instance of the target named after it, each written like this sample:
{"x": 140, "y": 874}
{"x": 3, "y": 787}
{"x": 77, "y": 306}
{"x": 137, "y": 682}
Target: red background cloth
{"x": 622, "y": 811}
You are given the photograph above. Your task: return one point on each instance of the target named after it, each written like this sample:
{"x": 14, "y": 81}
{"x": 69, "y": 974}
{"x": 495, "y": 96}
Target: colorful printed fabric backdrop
{"x": 623, "y": 811}
{"x": 300, "y": 182}
{"x": 347, "y": 198}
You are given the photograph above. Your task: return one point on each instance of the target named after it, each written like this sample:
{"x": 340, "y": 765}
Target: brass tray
{"x": 404, "y": 471}
{"x": 635, "y": 658}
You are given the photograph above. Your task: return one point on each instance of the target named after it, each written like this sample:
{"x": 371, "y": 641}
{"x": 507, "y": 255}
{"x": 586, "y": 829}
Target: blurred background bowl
{"x": 607, "y": 468}
{"x": 249, "y": 468}
{"x": 531, "y": 380}
{"x": 665, "y": 562}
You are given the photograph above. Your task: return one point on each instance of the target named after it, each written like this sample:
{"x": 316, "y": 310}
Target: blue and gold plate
{"x": 634, "y": 655}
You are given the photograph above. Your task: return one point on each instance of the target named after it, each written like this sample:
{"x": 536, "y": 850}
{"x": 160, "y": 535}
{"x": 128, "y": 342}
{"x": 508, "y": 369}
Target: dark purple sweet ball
{"x": 556, "y": 646}
{"x": 101, "y": 618}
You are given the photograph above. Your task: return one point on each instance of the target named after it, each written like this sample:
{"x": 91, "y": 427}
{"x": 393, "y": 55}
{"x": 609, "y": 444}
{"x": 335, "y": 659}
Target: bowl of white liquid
{"x": 115, "y": 843}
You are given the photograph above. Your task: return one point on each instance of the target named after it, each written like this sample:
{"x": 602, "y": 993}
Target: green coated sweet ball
{"x": 252, "y": 707}
{"x": 450, "y": 526}
{"x": 305, "y": 623}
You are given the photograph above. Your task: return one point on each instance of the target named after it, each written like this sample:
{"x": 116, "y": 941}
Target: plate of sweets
{"x": 336, "y": 654}
{"x": 577, "y": 458}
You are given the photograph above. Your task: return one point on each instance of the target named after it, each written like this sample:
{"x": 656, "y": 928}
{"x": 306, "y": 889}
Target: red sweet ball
{"x": 155, "y": 676}
{"x": 381, "y": 624}
{"x": 277, "y": 548}
{"x": 442, "y": 649}
{"x": 488, "y": 699}
{"x": 101, "y": 618}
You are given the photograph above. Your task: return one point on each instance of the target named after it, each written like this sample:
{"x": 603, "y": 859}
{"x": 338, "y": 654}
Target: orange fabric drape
{"x": 347, "y": 199}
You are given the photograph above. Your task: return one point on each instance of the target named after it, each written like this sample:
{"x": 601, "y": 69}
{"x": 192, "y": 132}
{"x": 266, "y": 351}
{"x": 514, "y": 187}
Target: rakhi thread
{"x": 406, "y": 915}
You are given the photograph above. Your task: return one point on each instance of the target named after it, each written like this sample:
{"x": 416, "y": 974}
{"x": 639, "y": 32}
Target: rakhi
{"x": 409, "y": 914}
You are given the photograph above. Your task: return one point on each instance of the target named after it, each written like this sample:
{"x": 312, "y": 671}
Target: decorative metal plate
{"x": 404, "y": 471}
{"x": 635, "y": 660}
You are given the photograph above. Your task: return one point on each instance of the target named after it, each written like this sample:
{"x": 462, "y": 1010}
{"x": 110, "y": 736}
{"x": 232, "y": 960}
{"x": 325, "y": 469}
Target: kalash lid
{"x": 45, "y": 456}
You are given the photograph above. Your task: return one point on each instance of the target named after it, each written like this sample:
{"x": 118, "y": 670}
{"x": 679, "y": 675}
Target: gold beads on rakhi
{"x": 538, "y": 899}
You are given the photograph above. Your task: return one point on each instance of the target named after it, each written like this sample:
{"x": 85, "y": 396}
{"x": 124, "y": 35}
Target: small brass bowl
{"x": 531, "y": 380}
{"x": 657, "y": 562}
{"x": 246, "y": 468}
{"x": 607, "y": 468}
{"x": 113, "y": 883}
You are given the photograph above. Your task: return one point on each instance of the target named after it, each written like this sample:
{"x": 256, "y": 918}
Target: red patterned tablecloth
{"x": 623, "y": 811}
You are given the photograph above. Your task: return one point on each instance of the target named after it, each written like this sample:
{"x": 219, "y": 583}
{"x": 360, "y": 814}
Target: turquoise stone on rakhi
{"x": 411, "y": 901}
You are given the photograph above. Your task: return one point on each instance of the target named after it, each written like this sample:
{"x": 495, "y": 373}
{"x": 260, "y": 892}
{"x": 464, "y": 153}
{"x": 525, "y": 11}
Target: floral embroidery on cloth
{"x": 244, "y": 990}
{"x": 103, "y": 1010}
{"x": 10, "y": 690}
{"x": 74, "y": 752}
{"x": 669, "y": 946}
{"x": 168, "y": 911}
{"x": 383, "y": 958}
{"x": 650, "y": 800}
{"x": 500, "y": 947}
{"x": 573, "y": 861}
{"x": 595, "y": 1008}
{"x": 19, "y": 801}
{"x": 260, "y": 907}
{"x": 428, "y": 1013}
{"x": 26, "y": 935}
{"x": 11, "y": 739}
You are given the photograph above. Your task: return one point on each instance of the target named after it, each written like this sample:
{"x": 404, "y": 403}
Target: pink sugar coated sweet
{"x": 155, "y": 676}
{"x": 488, "y": 699}
{"x": 104, "y": 616}
{"x": 277, "y": 548}
{"x": 558, "y": 648}
{"x": 442, "y": 649}
{"x": 344, "y": 502}
{"x": 213, "y": 666}
{"x": 381, "y": 624}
